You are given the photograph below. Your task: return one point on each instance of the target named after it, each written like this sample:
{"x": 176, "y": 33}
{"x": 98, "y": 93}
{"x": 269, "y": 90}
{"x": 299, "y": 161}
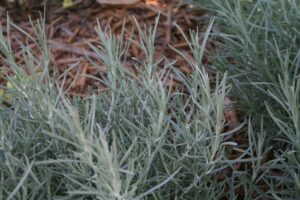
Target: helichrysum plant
{"x": 260, "y": 53}
{"x": 137, "y": 140}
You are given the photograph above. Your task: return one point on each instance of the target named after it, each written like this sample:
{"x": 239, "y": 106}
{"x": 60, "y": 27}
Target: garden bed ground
{"x": 69, "y": 30}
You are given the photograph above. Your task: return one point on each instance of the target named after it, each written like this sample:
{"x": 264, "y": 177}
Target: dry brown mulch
{"x": 69, "y": 30}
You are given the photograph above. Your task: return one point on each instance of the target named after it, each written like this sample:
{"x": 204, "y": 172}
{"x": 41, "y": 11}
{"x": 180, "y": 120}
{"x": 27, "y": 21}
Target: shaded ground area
{"x": 69, "y": 30}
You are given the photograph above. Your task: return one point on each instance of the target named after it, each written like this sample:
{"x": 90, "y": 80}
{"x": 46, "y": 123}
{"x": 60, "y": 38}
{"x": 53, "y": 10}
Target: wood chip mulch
{"x": 69, "y": 30}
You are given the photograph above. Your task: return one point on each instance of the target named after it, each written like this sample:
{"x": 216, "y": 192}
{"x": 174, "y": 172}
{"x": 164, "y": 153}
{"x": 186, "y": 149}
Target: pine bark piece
{"x": 118, "y": 2}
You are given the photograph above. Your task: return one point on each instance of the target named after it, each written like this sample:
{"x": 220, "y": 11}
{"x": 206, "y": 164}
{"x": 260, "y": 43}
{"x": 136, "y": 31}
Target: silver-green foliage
{"x": 135, "y": 141}
{"x": 261, "y": 56}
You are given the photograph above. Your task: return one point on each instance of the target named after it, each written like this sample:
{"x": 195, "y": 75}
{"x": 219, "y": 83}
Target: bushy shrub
{"x": 137, "y": 140}
{"x": 260, "y": 52}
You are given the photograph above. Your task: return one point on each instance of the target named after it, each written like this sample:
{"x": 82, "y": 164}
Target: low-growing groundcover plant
{"x": 260, "y": 53}
{"x": 139, "y": 140}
